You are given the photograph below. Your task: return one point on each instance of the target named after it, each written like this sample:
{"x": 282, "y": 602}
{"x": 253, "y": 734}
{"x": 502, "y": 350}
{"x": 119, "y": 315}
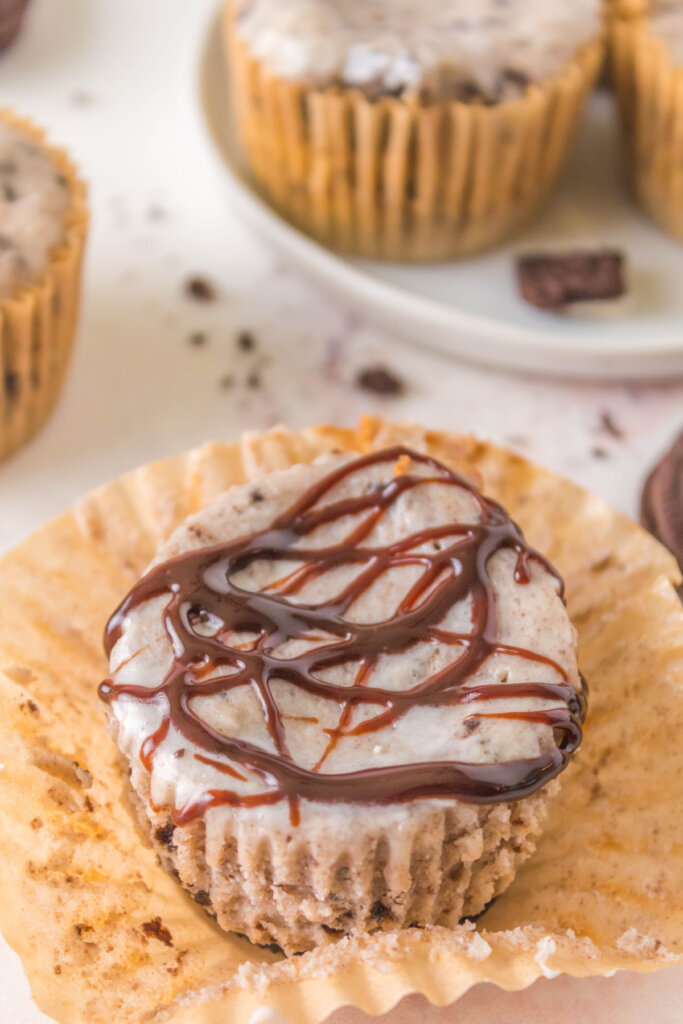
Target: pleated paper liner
{"x": 106, "y": 934}
{"x": 397, "y": 178}
{"x": 37, "y": 324}
{"x": 627, "y": 8}
{"x": 650, "y": 93}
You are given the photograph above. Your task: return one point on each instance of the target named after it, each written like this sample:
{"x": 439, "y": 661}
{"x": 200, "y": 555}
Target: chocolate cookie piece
{"x": 661, "y": 505}
{"x": 380, "y": 380}
{"x": 552, "y": 281}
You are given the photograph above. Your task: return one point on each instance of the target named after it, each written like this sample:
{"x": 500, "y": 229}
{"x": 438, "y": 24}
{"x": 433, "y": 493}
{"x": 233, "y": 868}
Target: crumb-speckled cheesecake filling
{"x": 289, "y": 656}
{"x": 490, "y": 50}
{"x": 33, "y": 201}
{"x": 665, "y": 19}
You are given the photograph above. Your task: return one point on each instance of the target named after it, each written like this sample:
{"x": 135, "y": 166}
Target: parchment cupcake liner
{"x": 37, "y": 324}
{"x": 627, "y": 8}
{"x": 440, "y": 865}
{"x": 398, "y": 178}
{"x": 649, "y": 88}
{"x": 105, "y": 933}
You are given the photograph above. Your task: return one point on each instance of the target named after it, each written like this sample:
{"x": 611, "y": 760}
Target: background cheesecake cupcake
{"x": 344, "y": 690}
{"x": 419, "y": 129}
{"x": 43, "y": 223}
{"x": 647, "y": 57}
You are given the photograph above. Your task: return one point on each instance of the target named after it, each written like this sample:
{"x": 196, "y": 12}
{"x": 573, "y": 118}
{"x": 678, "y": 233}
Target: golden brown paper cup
{"x": 37, "y": 323}
{"x": 627, "y": 8}
{"x": 398, "y": 178}
{"x": 650, "y": 93}
{"x": 105, "y": 933}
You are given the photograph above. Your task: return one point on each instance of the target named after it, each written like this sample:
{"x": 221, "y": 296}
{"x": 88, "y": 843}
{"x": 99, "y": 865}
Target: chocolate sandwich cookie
{"x": 661, "y": 508}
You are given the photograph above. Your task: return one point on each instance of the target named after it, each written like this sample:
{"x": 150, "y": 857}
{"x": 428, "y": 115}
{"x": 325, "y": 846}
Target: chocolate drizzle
{"x": 200, "y": 584}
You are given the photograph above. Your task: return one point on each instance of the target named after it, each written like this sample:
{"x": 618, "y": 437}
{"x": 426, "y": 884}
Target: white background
{"x": 115, "y": 81}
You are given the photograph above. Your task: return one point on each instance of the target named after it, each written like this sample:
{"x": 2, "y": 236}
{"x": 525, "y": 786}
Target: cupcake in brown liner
{"x": 43, "y": 224}
{"x": 647, "y": 58}
{"x": 412, "y": 131}
{"x": 344, "y": 691}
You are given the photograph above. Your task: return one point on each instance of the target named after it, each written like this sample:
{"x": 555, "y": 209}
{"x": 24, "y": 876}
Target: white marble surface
{"x": 116, "y": 83}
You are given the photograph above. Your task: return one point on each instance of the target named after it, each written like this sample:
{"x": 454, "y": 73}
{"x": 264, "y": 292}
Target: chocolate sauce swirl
{"x": 200, "y": 584}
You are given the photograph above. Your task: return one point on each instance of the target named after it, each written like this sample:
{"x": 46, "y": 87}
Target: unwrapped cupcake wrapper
{"x": 396, "y": 178}
{"x": 650, "y": 93}
{"x": 37, "y": 324}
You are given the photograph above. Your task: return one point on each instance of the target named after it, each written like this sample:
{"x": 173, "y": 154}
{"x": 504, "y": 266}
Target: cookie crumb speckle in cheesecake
{"x": 33, "y": 201}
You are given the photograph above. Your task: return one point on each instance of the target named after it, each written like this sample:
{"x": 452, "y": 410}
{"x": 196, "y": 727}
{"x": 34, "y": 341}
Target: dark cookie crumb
{"x": 164, "y": 834}
{"x": 610, "y": 426}
{"x": 9, "y": 193}
{"x": 552, "y": 281}
{"x": 201, "y": 897}
{"x": 154, "y": 929}
{"x": 256, "y": 496}
{"x": 599, "y": 453}
{"x": 197, "y": 338}
{"x": 254, "y": 380}
{"x": 379, "y": 911}
{"x": 201, "y": 289}
{"x": 82, "y": 928}
{"x": 471, "y": 725}
{"x": 246, "y": 342}
{"x": 380, "y": 380}
{"x": 180, "y": 753}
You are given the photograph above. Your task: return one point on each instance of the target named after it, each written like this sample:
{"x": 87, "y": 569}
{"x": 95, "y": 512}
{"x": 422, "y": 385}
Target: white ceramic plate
{"x": 470, "y": 308}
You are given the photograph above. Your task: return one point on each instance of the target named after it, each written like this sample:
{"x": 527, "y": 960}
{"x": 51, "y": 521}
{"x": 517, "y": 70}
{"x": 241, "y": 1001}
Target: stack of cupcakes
{"x": 43, "y": 223}
{"x": 409, "y": 130}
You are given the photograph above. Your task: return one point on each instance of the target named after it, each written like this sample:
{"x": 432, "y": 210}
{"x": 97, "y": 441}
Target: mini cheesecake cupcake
{"x": 344, "y": 691}
{"x": 43, "y": 223}
{"x": 647, "y": 57}
{"x": 411, "y": 130}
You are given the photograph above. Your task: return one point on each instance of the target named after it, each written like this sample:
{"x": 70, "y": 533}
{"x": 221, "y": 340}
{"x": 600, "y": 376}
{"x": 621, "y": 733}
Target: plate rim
{"x": 508, "y": 347}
